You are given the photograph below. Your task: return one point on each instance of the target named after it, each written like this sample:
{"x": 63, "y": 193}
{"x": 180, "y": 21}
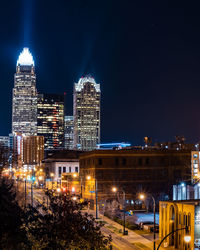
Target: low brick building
{"x": 142, "y": 170}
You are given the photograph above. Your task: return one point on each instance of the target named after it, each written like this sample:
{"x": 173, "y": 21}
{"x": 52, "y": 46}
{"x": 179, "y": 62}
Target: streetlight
{"x": 52, "y": 175}
{"x": 187, "y": 237}
{"x": 114, "y": 189}
{"x": 142, "y": 197}
{"x": 96, "y": 194}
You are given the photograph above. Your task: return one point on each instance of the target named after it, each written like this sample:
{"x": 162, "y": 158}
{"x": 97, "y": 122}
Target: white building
{"x": 61, "y": 162}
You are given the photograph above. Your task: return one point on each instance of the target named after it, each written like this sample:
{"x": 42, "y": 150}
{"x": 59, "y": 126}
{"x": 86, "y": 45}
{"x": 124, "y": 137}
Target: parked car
{"x": 156, "y": 229}
{"x": 141, "y": 224}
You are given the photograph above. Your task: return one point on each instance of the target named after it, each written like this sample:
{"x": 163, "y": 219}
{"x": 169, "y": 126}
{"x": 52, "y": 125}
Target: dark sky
{"x": 145, "y": 55}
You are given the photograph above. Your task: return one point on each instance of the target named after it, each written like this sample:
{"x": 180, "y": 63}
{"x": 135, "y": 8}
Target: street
{"x": 130, "y": 241}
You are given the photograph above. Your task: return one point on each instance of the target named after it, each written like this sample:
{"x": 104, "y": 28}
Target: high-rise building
{"x": 5, "y": 141}
{"x": 33, "y": 150}
{"x": 24, "y": 107}
{"x": 69, "y": 132}
{"x": 50, "y": 120}
{"x": 28, "y": 151}
{"x": 86, "y": 113}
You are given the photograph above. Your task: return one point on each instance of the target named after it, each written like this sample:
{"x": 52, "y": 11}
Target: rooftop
{"x": 25, "y": 58}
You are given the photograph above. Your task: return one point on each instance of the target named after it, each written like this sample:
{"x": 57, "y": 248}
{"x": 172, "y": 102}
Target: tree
{"x": 12, "y": 232}
{"x": 64, "y": 226}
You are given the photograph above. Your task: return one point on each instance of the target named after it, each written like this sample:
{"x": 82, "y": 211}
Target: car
{"x": 156, "y": 229}
{"x": 141, "y": 224}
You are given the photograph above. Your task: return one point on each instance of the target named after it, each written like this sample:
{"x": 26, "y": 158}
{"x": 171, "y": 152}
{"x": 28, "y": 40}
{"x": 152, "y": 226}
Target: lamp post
{"x": 96, "y": 194}
{"x": 80, "y": 183}
{"x": 25, "y": 191}
{"x": 114, "y": 189}
{"x": 32, "y": 193}
{"x": 187, "y": 237}
{"x": 142, "y": 197}
{"x": 52, "y": 175}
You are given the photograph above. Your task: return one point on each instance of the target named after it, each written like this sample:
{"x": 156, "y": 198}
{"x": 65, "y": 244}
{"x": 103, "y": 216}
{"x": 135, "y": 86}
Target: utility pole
{"x": 124, "y": 207}
{"x": 25, "y": 192}
{"x": 96, "y": 198}
{"x": 32, "y": 194}
{"x": 81, "y": 189}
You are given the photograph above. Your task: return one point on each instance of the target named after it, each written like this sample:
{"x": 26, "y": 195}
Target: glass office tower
{"x": 69, "y": 132}
{"x": 50, "y": 120}
{"x": 24, "y": 106}
{"x": 86, "y": 113}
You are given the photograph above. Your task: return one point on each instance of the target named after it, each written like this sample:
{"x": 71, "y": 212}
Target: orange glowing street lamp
{"x": 114, "y": 189}
{"x": 96, "y": 194}
{"x": 142, "y": 197}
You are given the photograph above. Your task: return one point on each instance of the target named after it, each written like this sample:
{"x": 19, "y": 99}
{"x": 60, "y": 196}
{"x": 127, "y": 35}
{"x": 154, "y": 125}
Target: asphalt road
{"x": 118, "y": 242}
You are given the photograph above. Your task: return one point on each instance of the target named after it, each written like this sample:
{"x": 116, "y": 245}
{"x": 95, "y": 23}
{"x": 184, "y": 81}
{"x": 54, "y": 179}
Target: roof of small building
{"x": 62, "y": 155}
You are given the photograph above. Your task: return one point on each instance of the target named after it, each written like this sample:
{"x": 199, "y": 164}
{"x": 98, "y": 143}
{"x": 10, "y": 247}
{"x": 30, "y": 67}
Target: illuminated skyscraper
{"x": 24, "y": 107}
{"x": 69, "y": 132}
{"x": 50, "y": 120}
{"x": 86, "y": 113}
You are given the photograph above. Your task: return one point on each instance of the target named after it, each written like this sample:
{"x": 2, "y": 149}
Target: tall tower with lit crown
{"x": 87, "y": 96}
{"x": 24, "y": 106}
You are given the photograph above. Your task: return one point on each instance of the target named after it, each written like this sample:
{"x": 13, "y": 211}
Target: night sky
{"x": 145, "y": 55}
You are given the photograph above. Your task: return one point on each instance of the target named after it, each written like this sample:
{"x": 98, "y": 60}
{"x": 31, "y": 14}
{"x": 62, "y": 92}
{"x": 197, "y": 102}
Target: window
{"x": 100, "y": 161}
{"x": 59, "y": 171}
{"x": 189, "y": 220}
{"x": 124, "y": 161}
{"x": 147, "y": 161}
{"x": 64, "y": 169}
{"x": 184, "y": 219}
{"x": 116, "y": 161}
{"x": 70, "y": 169}
{"x": 140, "y": 161}
{"x": 76, "y": 169}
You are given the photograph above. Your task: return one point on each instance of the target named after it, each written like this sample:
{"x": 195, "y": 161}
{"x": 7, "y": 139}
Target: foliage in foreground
{"x": 12, "y": 231}
{"x": 61, "y": 226}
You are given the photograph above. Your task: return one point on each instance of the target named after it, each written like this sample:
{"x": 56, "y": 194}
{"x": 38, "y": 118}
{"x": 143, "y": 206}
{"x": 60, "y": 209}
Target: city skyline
{"x": 152, "y": 50}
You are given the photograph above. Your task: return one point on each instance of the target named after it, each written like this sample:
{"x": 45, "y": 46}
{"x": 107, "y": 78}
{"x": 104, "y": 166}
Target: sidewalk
{"x": 132, "y": 237}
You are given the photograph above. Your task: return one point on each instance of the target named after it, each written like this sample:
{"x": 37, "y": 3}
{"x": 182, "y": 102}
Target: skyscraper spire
{"x": 25, "y": 58}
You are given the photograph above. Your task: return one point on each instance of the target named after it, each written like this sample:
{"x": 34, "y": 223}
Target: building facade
{"x": 175, "y": 215}
{"x": 33, "y": 150}
{"x": 69, "y": 132}
{"x": 50, "y": 120}
{"x": 28, "y": 151}
{"x": 24, "y": 106}
{"x": 149, "y": 170}
{"x": 61, "y": 162}
{"x": 195, "y": 166}
{"x": 87, "y": 96}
